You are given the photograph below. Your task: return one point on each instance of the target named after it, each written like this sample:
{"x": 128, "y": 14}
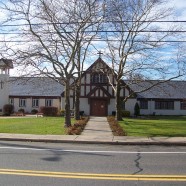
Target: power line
{"x": 103, "y": 31}
{"x": 112, "y": 40}
{"x": 95, "y": 48}
{"x": 76, "y": 22}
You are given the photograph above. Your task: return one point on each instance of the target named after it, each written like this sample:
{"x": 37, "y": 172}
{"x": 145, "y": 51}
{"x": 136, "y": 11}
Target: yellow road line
{"x": 145, "y": 177}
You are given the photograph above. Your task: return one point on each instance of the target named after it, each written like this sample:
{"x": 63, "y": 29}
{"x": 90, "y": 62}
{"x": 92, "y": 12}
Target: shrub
{"x": 113, "y": 113}
{"x": 81, "y": 113}
{"x": 21, "y": 110}
{"x": 136, "y": 109}
{"x": 49, "y": 111}
{"x": 125, "y": 113}
{"x": 8, "y": 109}
{"x": 34, "y": 111}
{"x": 62, "y": 112}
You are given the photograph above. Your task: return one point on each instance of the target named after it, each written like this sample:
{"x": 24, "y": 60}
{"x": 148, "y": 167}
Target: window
{"x": 183, "y": 105}
{"x": 11, "y": 101}
{"x": 98, "y": 78}
{"x": 48, "y": 102}
{"x": 143, "y": 104}
{"x": 35, "y": 102}
{"x": 164, "y": 105}
{"x": 22, "y": 102}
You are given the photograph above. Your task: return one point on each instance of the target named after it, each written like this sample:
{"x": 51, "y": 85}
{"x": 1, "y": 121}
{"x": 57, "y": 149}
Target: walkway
{"x": 97, "y": 129}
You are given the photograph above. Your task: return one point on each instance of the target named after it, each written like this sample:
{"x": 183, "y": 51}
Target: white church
{"x": 97, "y": 96}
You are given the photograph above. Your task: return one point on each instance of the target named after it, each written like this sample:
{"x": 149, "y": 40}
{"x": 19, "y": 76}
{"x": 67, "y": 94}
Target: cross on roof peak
{"x": 100, "y": 53}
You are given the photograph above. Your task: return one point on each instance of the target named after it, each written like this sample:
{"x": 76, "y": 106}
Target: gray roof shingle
{"x": 6, "y": 63}
{"x": 34, "y": 86}
{"x": 166, "y": 90}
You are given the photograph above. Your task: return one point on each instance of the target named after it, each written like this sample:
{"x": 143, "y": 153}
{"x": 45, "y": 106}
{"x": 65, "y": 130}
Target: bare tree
{"x": 54, "y": 36}
{"x": 136, "y": 36}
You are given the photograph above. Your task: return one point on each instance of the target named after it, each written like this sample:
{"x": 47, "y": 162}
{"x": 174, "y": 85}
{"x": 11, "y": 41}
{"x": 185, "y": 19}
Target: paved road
{"x": 74, "y": 164}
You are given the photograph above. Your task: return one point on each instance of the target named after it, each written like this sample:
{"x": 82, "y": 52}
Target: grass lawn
{"x": 40, "y": 125}
{"x": 170, "y": 126}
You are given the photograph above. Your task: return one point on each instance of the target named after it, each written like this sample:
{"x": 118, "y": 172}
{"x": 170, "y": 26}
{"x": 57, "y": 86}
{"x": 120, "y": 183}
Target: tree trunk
{"x": 67, "y": 105}
{"x": 77, "y": 103}
{"x": 118, "y": 116}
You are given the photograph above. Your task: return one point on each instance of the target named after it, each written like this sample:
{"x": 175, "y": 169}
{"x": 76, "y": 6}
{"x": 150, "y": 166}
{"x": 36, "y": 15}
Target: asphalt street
{"x": 28, "y": 163}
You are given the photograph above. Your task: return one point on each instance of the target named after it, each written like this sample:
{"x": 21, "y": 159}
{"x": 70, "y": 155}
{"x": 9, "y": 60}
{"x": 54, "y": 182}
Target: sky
{"x": 179, "y": 14}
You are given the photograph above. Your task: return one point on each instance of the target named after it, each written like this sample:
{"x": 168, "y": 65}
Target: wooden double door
{"x": 98, "y": 107}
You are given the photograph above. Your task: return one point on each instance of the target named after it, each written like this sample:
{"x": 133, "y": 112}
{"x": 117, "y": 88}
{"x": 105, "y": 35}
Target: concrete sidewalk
{"x": 97, "y": 131}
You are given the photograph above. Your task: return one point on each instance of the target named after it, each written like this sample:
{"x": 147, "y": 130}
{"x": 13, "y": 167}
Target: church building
{"x": 97, "y": 96}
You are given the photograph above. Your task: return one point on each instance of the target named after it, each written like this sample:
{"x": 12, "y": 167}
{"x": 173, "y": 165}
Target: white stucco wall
{"x": 129, "y": 105}
{"x": 85, "y": 106}
{"x": 126, "y": 92}
{"x": 82, "y": 91}
{"x": 111, "y": 106}
{"x": 63, "y": 103}
{"x": 88, "y": 79}
{"x": 4, "y": 92}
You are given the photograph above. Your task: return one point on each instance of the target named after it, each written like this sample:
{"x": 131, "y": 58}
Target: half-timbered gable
{"x": 97, "y": 95}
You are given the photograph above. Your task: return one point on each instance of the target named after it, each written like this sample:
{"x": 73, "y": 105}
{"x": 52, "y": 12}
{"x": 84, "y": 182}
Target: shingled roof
{"x": 6, "y": 63}
{"x": 43, "y": 86}
{"x": 164, "y": 90}
{"x": 35, "y": 86}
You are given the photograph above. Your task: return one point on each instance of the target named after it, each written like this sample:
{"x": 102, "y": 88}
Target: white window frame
{"x": 164, "y": 105}
{"x": 48, "y": 102}
{"x": 11, "y": 101}
{"x": 183, "y": 105}
{"x": 35, "y": 102}
{"x": 22, "y": 102}
{"x": 144, "y": 104}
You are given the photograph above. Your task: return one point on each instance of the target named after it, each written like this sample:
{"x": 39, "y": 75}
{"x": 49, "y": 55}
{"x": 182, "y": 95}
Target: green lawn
{"x": 170, "y": 126}
{"x": 40, "y": 125}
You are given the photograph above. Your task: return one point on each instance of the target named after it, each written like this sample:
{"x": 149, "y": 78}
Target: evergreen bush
{"x": 21, "y": 110}
{"x": 34, "y": 111}
{"x": 8, "y": 109}
{"x": 136, "y": 109}
{"x": 125, "y": 113}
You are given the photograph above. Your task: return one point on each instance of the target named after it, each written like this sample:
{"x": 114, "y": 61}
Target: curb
{"x": 162, "y": 143}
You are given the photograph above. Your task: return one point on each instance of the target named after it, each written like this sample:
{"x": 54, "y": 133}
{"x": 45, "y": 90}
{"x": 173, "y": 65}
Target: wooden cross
{"x": 100, "y": 53}
{"x": 1, "y": 84}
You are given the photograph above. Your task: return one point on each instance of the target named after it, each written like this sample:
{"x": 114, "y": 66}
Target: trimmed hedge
{"x": 49, "y": 111}
{"x": 8, "y": 109}
{"x": 21, "y": 110}
{"x": 34, "y": 111}
{"x": 125, "y": 113}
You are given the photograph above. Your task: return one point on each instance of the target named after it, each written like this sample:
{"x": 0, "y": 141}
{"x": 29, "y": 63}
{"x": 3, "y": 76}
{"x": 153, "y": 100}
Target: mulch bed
{"x": 115, "y": 127}
{"x": 78, "y": 127}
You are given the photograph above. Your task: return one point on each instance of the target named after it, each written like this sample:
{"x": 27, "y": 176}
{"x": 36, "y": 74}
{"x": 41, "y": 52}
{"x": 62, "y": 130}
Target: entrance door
{"x": 98, "y": 107}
